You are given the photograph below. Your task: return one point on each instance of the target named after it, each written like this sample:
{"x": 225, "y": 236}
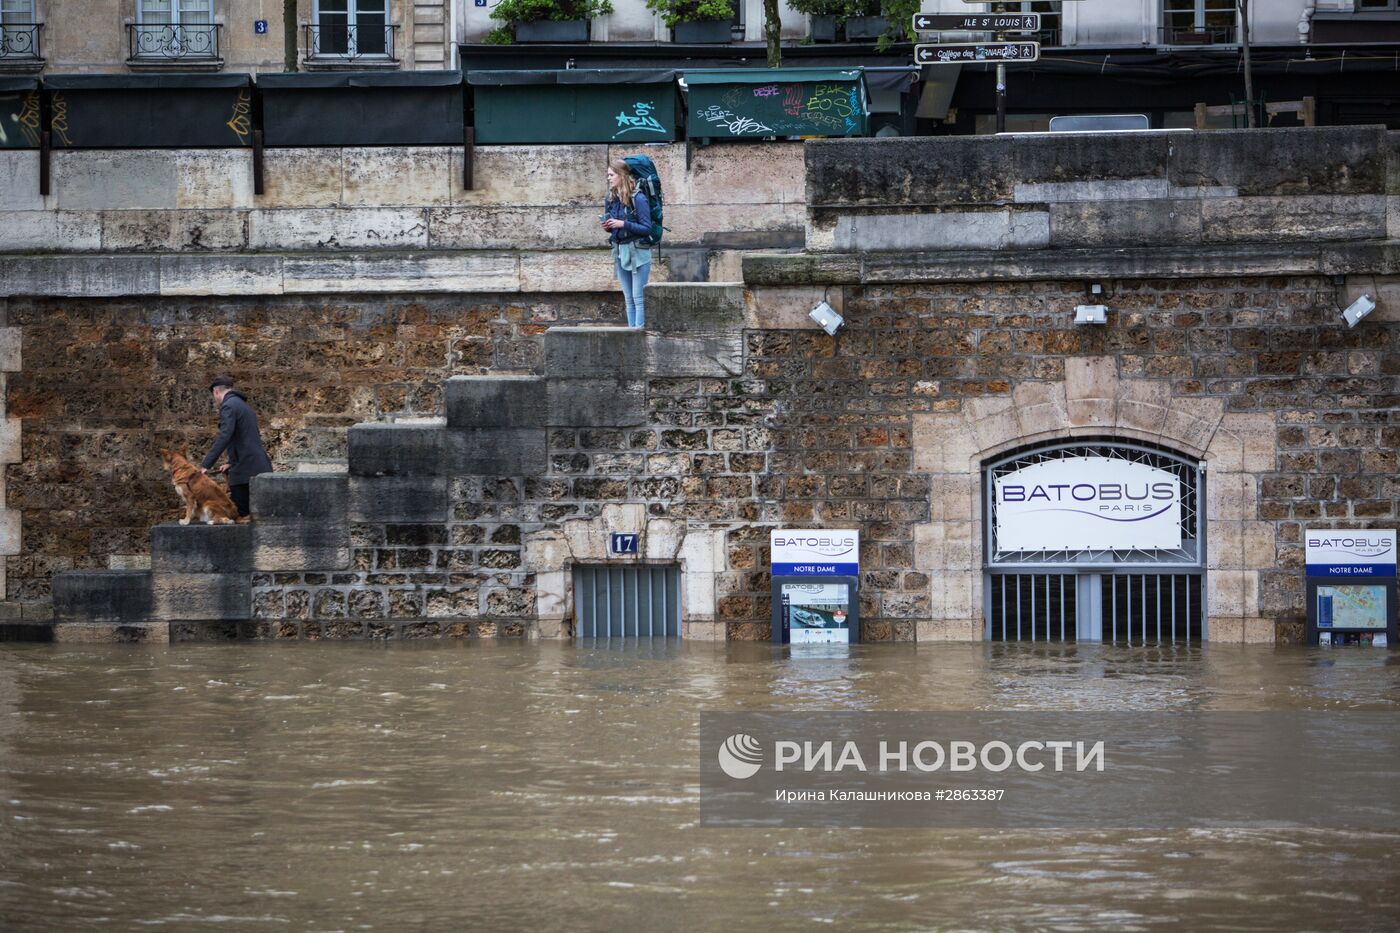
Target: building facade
{"x": 100, "y": 36}
{"x": 95, "y": 36}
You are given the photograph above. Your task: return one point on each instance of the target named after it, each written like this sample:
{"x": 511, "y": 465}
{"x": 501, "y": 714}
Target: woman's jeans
{"x": 633, "y": 292}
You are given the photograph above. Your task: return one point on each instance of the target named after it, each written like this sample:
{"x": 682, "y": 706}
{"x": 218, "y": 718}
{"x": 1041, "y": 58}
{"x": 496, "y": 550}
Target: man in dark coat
{"x": 238, "y": 435}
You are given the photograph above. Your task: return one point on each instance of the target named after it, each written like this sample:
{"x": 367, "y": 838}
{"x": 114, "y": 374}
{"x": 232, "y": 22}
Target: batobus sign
{"x": 814, "y": 585}
{"x": 1349, "y": 553}
{"x": 1088, "y": 503}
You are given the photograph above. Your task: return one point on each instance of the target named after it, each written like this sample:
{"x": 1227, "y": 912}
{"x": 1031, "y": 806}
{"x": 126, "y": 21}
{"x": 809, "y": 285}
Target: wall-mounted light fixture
{"x": 1096, "y": 313}
{"x": 1358, "y": 309}
{"x": 826, "y": 317}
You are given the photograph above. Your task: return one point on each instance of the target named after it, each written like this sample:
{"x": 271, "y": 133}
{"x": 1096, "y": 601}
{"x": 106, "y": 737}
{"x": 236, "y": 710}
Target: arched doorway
{"x": 1093, "y": 539}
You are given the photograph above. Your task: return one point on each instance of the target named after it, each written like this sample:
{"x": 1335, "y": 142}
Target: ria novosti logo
{"x": 741, "y": 756}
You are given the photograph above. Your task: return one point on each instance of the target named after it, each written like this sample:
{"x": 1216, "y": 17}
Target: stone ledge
{"x": 1378, "y": 257}
{"x": 105, "y": 275}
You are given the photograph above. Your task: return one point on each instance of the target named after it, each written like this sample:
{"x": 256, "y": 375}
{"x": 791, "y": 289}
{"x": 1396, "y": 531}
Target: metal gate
{"x": 613, "y": 601}
{"x": 1127, "y": 608}
{"x": 1122, "y": 596}
{"x": 1033, "y": 607}
{"x": 1150, "y": 608}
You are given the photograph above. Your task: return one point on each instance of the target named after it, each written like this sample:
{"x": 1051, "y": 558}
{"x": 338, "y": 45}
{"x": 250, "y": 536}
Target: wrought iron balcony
{"x": 341, "y": 43}
{"x": 19, "y": 42}
{"x": 1202, "y": 35}
{"x": 165, "y": 42}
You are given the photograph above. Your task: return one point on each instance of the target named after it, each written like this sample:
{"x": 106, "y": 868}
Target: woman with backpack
{"x": 627, "y": 218}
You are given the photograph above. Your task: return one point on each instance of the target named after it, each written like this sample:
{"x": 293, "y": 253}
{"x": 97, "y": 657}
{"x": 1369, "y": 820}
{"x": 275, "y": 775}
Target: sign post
{"x": 1350, "y": 587}
{"x": 999, "y": 50}
{"x": 816, "y": 586}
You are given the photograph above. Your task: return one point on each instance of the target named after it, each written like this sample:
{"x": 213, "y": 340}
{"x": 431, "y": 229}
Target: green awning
{"x": 769, "y": 75}
{"x": 572, "y": 76}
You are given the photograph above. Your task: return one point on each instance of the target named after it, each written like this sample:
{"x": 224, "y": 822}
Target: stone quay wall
{"x": 1186, "y": 190}
{"x": 529, "y": 223}
{"x": 733, "y": 415}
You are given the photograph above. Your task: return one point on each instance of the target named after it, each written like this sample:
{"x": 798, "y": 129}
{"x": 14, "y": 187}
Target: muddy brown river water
{"x": 528, "y": 786}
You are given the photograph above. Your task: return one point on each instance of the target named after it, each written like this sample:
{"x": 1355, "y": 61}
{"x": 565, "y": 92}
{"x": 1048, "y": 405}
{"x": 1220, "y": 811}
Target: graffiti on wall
{"x": 800, "y": 109}
{"x": 639, "y": 120}
{"x": 242, "y": 120}
{"x": 736, "y": 124}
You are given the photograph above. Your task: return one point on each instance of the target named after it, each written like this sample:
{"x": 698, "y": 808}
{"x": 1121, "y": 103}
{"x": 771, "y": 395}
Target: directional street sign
{"x": 949, "y": 53}
{"x": 977, "y": 22}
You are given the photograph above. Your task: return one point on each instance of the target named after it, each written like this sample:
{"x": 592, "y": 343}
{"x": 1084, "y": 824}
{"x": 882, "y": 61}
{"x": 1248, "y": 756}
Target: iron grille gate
{"x": 1126, "y": 608}
{"x": 1125, "y": 596}
{"x": 612, "y": 601}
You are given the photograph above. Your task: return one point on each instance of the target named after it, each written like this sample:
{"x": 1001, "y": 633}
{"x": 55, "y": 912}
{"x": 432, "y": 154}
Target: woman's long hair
{"x": 626, "y": 186}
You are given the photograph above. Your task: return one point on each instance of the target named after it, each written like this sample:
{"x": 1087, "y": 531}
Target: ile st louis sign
{"x": 977, "y": 22}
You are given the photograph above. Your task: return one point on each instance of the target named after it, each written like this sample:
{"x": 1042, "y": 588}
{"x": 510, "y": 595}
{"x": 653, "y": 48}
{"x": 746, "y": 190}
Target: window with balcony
{"x": 19, "y": 33}
{"x": 1198, "y": 22}
{"x": 1366, "y": 6}
{"x": 178, "y": 31}
{"x": 351, "y": 30}
{"x": 1051, "y": 18}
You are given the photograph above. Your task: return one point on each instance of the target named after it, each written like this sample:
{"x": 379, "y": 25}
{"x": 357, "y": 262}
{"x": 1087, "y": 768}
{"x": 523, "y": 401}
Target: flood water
{"x": 528, "y": 786}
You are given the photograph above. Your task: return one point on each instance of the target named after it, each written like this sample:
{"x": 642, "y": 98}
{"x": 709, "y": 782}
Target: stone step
{"x": 301, "y": 521}
{"x": 200, "y": 548}
{"x": 383, "y": 449}
{"x": 496, "y": 402}
{"x": 287, "y": 497}
{"x": 695, "y": 308}
{"x": 102, "y": 596}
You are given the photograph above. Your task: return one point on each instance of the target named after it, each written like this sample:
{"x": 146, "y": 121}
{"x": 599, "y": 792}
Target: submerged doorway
{"x": 1095, "y": 540}
{"x": 631, "y": 601}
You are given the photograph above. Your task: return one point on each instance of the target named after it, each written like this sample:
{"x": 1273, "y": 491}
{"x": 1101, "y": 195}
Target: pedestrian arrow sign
{"x": 951, "y": 53}
{"x": 977, "y": 22}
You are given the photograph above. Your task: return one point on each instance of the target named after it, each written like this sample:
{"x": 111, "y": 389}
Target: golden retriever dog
{"x": 203, "y": 497}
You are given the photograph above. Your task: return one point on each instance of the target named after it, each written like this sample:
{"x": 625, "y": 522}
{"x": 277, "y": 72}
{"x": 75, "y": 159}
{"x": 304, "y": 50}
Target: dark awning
{"x": 134, "y": 82}
{"x": 572, "y": 76}
{"x": 320, "y": 79}
{"x": 768, "y": 75}
{"x": 891, "y": 78}
{"x": 19, "y": 82}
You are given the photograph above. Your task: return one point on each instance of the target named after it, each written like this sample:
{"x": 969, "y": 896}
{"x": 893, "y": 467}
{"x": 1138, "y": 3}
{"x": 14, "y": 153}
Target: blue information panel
{"x": 1350, "y": 587}
{"x": 816, "y": 592}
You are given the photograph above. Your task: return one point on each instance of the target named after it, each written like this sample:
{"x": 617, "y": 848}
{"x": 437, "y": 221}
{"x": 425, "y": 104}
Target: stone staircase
{"x": 202, "y": 577}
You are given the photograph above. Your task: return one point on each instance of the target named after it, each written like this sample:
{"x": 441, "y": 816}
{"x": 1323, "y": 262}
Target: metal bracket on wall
{"x": 44, "y": 153}
{"x": 468, "y": 151}
{"x": 45, "y": 144}
{"x": 257, "y": 162}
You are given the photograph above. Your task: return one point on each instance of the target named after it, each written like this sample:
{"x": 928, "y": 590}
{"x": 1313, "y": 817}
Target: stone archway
{"x": 551, "y": 556}
{"x": 1093, "y": 400}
